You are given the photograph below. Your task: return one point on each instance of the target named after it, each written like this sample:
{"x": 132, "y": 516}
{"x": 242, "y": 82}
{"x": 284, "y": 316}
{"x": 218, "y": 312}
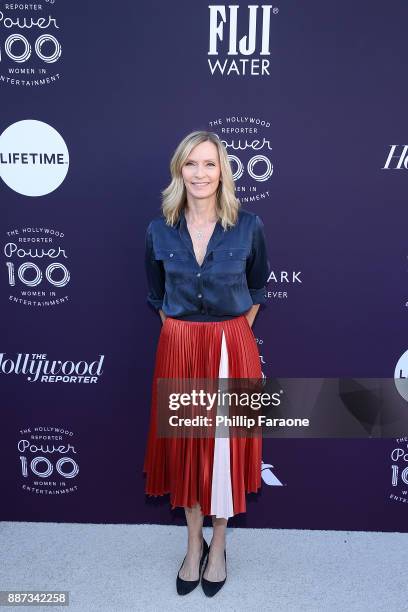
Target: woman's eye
{"x": 210, "y": 164}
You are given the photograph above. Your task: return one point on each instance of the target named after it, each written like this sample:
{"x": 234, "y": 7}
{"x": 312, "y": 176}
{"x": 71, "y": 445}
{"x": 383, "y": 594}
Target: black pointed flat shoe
{"x": 186, "y": 586}
{"x": 210, "y": 587}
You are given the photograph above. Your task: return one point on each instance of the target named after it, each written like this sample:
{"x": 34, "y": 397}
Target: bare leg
{"x": 215, "y": 570}
{"x": 195, "y": 519}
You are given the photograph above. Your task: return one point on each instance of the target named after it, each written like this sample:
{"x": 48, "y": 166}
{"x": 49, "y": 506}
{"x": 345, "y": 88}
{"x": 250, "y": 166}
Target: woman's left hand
{"x": 251, "y": 314}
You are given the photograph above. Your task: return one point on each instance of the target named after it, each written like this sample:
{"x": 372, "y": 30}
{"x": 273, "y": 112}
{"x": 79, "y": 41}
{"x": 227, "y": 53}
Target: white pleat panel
{"x": 221, "y": 491}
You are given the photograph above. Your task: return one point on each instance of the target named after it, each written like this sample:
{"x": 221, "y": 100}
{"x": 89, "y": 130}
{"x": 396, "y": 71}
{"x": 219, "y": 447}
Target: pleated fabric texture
{"x": 183, "y": 467}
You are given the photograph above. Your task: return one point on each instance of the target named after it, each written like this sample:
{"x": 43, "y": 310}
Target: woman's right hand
{"x": 162, "y": 316}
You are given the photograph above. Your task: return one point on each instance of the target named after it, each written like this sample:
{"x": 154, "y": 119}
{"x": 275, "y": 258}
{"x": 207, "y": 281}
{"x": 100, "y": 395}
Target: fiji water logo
{"x": 248, "y": 55}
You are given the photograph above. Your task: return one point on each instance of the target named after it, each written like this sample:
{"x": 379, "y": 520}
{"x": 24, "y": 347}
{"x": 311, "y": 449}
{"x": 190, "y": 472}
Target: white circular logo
{"x": 34, "y": 158}
{"x": 400, "y": 375}
{"x": 30, "y": 44}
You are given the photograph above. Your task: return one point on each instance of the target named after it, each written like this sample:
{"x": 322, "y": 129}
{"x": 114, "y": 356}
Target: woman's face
{"x": 202, "y": 171}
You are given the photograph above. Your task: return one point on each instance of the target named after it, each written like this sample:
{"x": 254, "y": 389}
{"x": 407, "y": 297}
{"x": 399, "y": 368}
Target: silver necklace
{"x": 200, "y": 233}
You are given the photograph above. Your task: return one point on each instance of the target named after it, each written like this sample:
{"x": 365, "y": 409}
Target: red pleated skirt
{"x": 183, "y": 467}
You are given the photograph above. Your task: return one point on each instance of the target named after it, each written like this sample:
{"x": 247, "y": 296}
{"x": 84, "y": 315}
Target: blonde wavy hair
{"x": 174, "y": 196}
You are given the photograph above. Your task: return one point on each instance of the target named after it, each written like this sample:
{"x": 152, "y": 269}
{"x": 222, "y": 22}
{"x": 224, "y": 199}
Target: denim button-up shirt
{"x": 230, "y": 280}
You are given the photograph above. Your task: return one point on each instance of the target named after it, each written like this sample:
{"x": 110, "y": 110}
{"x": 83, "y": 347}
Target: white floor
{"x": 133, "y": 567}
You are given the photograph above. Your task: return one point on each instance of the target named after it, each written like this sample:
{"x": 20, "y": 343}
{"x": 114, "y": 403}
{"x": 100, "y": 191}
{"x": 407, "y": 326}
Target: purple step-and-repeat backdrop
{"x": 310, "y": 100}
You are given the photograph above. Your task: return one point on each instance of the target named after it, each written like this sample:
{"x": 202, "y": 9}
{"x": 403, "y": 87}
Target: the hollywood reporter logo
{"x": 399, "y": 467}
{"x": 37, "y": 368}
{"x": 397, "y": 158}
{"x": 46, "y": 472}
{"x": 399, "y": 471}
{"x": 28, "y": 272}
{"x": 29, "y": 44}
{"x": 232, "y": 16}
{"x": 47, "y": 466}
{"x": 249, "y": 156}
{"x": 41, "y": 23}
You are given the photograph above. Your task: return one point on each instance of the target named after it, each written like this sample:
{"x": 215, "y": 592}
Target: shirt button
{"x": 199, "y": 295}
{"x": 231, "y": 254}
{"x": 171, "y": 254}
{"x": 198, "y": 273}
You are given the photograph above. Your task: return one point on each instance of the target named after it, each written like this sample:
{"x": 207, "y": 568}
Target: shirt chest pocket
{"x": 229, "y": 261}
{"x": 175, "y": 262}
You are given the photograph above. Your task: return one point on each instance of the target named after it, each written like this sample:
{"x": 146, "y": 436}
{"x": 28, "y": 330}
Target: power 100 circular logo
{"x": 30, "y": 44}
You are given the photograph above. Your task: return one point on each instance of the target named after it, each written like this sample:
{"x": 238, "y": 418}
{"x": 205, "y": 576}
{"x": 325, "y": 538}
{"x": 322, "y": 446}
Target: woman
{"x": 207, "y": 267}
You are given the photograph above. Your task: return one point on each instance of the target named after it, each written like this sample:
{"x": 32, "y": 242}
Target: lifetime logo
{"x": 397, "y": 158}
{"x": 34, "y": 158}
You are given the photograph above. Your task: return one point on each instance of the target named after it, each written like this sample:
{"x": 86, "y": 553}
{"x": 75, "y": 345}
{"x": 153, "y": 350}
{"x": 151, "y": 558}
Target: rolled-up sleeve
{"x": 154, "y": 273}
{"x": 258, "y": 266}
